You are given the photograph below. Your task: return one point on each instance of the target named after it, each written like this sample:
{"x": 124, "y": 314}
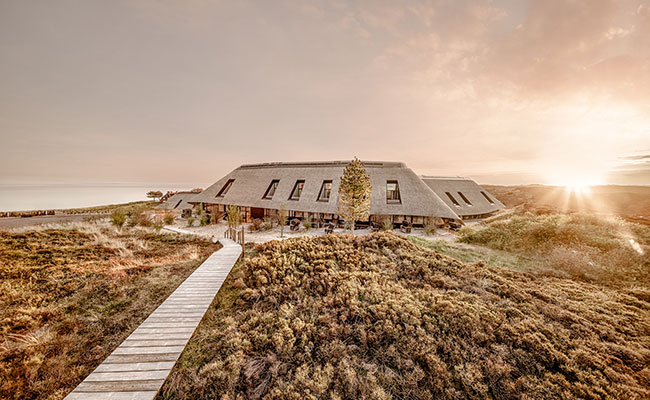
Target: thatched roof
{"x": 178, "y": 201}
{"x": 470, "y": 189}
{"x": 251, "y": 182}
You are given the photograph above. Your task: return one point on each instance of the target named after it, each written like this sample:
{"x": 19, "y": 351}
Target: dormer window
{"x": 270, "y": 191}
{"x": 456, "y": 203}
{"x": 225, "y": 188}
{"x": 297, "y": 190}
{"x": 465, "y": 199}
{"x": 325, "y": 191}
{"x": 392, "y": 193}
{"x": 487, "y": 198}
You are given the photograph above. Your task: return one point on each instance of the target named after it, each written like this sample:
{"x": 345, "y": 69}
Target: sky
{"x": 506, "y": 92}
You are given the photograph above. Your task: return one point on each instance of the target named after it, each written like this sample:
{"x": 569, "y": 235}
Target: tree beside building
{"x": 354, "y": 193}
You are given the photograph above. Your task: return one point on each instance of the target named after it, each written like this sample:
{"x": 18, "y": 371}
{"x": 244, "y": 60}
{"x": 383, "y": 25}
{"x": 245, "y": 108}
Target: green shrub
{"x": 204, "y": 220}
{"x": 169, "y": 218}
{"x": 234, "y": 217}
{"x": 387, "y": 224}
{"x": 139, "y": 217}
{"x": 307, "y": 222}
{"x": 118, "y": 217}
{"x": 190, "y": 221}
{"x": 429, "y": 227}
{"x": 266, "y": 226}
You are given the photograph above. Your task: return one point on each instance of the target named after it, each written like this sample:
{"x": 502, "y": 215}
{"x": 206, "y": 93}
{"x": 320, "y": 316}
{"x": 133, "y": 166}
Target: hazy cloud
{"x": 159, "y": 91}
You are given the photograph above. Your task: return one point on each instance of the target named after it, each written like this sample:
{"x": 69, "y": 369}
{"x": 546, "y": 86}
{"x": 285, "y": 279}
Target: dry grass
{"x": 70, "y": 294}
{"x": 377, "y": 317}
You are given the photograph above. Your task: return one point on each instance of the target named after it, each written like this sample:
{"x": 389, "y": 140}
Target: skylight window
{"x": 270, "y": 191}
{"x": 487, "y": 198}
{"x": 225, "y": 188}
{"x": 465, "y": 199}
{"x": 325, "y": 191}
{"x": 453, "y": 200}
{"x": 297, "y": 190}
{"x": 392, "y": 193}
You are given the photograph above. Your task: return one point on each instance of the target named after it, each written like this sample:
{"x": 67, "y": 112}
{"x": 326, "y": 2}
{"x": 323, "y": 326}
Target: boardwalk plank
{"x": 139, "y": 366}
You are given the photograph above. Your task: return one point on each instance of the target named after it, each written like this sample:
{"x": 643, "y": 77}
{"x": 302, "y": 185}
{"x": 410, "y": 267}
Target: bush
{"x": 157, "y": 225}
{"x": 375, "y": 316}
{"x": 139, "y": 217}
{"x": 204, "y": 220}
{"x": 266, "y": 226}
{"x": 169, "y": 218}
{"x": 190, "y": 221}
{"x": 255, "y": 225}
{"x": 307, "y": 222}
{"x": 234, "y": 217}
{"x": 118, "y": 217}
{"x": 387, "y": 224}
{"x": 429, "y": 227}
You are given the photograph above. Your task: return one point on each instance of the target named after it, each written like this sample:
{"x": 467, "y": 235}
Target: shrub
{"x": 387, "y": 224}
{"x": 307, "y": 222}
{"x": 118, "y": 217}
{"x": 234, "y": 217}
{"x": 266, "y": 226}
{"x": 139, "y": 217}
{"x": 157, "y": 225}
{"x": 204, "y": 220}
{"x": 255, "y": 225}
{"x": 169, "y": 218}
{"x": 429, "y": 227}
{"x": 190, "y": 221}
{"x": 375, "y": 316}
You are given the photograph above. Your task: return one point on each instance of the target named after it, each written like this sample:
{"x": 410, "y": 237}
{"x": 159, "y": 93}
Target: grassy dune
{"x": 607, "y": 251}
{"x": 378, "y": 317}
{"x": 70, "y": 294}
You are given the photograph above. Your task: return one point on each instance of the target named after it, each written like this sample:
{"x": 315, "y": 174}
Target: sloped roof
{"x": 178, "y": 201}
{"x": 469, "y": 188}
{"x": 251, "y": 182}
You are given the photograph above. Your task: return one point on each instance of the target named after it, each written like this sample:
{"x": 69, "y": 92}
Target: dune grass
{"x": 70, "y": 294}
{"x": 377, "y": 317}
{"x": 604, "y": 250}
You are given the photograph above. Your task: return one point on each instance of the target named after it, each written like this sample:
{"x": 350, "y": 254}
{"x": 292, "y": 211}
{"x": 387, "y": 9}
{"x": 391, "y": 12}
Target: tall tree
{"x": 354, "y": 193}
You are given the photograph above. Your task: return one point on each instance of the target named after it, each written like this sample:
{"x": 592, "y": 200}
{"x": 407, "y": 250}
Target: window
{"x": 462, "y": 196}
{"x": 270, "y": 191}
{"x": 457, "y": 204}
{"x": 487, "y": 198}
{"x": 297, "y": 190}
{"x": 392, "y": 193}
{"x": 225, "y": 188}
{"x": 325, "y": 191}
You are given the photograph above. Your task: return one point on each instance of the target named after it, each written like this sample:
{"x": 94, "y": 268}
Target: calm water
{"x": 55, "y": 196}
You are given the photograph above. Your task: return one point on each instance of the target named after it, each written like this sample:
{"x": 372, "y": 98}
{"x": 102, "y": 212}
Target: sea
{"x": 26, "y": 197}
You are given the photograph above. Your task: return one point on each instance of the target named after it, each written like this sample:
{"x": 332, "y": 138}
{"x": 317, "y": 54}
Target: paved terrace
{"x": 139, "y": 366}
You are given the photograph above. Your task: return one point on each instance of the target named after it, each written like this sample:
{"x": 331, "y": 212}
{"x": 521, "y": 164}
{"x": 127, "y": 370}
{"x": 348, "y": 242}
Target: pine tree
{"x": 354, "y": 193}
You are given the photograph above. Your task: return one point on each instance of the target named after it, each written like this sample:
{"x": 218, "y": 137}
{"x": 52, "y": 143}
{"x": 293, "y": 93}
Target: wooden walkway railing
{"x": 235, "y": 235}
{"x": 140, "y": 365}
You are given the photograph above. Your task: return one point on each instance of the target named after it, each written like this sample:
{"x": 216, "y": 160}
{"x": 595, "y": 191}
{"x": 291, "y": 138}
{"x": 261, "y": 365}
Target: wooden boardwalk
{"x": 139, "y": 366}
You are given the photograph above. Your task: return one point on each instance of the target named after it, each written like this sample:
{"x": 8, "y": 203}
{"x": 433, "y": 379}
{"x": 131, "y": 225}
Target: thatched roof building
{"x": 311, "y": 188}
{"x": 466, "y": 197}
{"x": 178, "y": 201}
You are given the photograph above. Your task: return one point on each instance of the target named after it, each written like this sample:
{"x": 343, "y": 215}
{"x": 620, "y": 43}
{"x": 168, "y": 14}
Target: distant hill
{"x": 629, "y": 202}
